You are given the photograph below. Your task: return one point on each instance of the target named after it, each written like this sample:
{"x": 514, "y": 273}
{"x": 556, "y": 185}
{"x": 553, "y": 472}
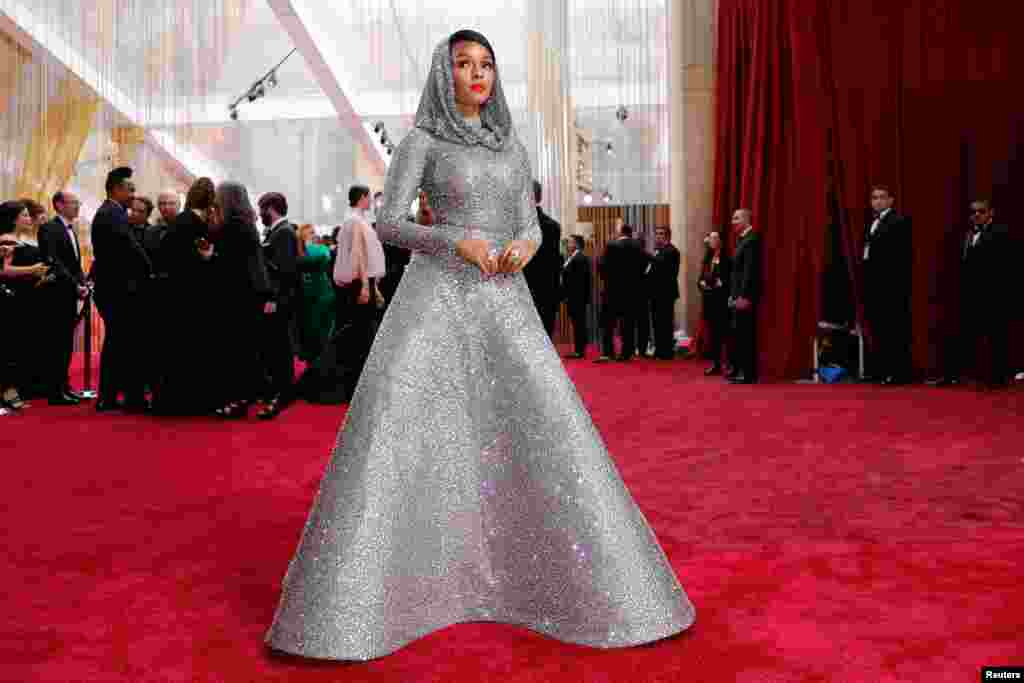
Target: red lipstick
{"x": 476, "y": 88}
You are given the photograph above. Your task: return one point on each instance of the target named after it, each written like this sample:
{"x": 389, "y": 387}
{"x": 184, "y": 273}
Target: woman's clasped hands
{"x": 512, "y": 259}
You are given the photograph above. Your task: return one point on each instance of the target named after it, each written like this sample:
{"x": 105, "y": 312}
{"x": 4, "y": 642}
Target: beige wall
{"x": 691, "y": 97}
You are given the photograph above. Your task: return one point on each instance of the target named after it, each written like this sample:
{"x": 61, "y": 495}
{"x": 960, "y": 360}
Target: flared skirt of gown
{"x": 469, "y": 483}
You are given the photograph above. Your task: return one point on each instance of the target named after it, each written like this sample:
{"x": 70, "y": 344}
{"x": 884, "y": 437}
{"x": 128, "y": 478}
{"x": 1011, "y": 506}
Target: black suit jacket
{"x": 623, "y": 267}
{"x": 890, "y": 255}
{"x": 746, "y": 269}
{"x": 988, "y": 263}
{"x": 121, "y": 264}
{"x": 663, "y": 279}
{"x": 576, "y": 280}
{"x": 281, "y": 255}
{"x": 543, "y": 269}
{"x": 708, "y": 278}
{"x": 61, "y": 252}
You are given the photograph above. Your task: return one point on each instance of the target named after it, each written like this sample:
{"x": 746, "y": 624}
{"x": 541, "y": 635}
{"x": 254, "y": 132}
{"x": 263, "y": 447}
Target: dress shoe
{"x": 63, "y": 400}
{"x": 892, "y": 381}
{"x": 944, "y": 382}
{"x": 138, "y": 407}
{"x": 624, "y": 359}
{"x": 271, "y": 409}
{"x": 741, "y": 379}
{"x": 73, "y": 394}
{"x": 103, "y": 406}
{"x": 575, "y": 356}
{"x": 602, "y": 359}
{"x": 713, "y": 370}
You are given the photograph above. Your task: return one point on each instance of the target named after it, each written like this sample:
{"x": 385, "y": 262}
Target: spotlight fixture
{"x": 607, "y": 197}
{"x": 378, "y": 127}
{"x": 588, "y": 199}
{"x": 259, "y": 88}
{"x": 622, "y": 113}
{"x": 609, "y": 149}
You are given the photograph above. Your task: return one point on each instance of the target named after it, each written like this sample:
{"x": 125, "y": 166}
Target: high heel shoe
{"x": 272, "y": 409}
{"x": 232, "y": 411}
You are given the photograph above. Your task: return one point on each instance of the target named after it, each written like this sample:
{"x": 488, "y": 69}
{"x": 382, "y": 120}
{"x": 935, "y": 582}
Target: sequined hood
{"x": 438, "y": 114}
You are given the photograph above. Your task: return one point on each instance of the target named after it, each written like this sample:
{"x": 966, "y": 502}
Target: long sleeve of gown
{"x": 404, "y": 178}
{"x": 528, "y": 227}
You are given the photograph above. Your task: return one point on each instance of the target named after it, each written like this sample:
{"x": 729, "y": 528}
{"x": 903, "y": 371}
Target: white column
{"x": 691, "y": 102}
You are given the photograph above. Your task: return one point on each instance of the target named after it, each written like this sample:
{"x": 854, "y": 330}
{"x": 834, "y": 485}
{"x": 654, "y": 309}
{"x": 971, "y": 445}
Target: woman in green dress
{"x": 316, "y": 317}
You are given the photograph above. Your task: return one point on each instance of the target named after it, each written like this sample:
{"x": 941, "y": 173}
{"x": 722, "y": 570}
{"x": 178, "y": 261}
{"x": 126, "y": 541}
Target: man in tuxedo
{"x": 986, "y": 259}
{"x": 622, "y": 268}
{"x": 576, "y": 290}
{"x": 663, "y": 290}
{"x": 168, "y": 207}
{"x": 543, "y": 270}
{"x": 58, "y": 241}
{"x": 744, "y": 294}
{"x": 122, "y": 272}
{"x": 281, "y": 254}
{"x": 887, "y": 269}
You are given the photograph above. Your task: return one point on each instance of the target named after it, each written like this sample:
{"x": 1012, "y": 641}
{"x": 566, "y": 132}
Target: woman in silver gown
{"x": 468, "y": 482}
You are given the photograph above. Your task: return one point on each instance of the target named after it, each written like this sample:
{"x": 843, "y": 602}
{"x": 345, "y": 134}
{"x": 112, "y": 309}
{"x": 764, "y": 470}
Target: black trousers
{"x": 743, "y": 350}
{"x": 580, "y": 330}
{"x": 618, "y": 312}
{"x": 356, "y": 326}
{"x": 716, "y": 326}
{"x": 122, "y": 359}
{"x": 277, "y": 354}
{"x": 887, "y": 311}
{"x": 62, "y": 320}
{"x": 663, "y": 311}
{"x": 643, "y": 315}
{"x": 981, "y": 322}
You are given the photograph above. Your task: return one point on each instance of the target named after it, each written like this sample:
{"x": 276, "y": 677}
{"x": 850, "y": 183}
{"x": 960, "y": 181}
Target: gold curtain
{"x": 13, "y": 57}
{"x": 57, "y": 140}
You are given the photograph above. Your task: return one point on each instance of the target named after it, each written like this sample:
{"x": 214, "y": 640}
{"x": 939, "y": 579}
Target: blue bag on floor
{"x": 830, "y": 374}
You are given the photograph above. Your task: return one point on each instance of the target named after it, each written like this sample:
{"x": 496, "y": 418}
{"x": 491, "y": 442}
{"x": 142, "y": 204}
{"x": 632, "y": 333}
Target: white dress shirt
{"x": 72, "y": 235}
{"x": 359, "y": 250}
{"x": 871, "y": 231}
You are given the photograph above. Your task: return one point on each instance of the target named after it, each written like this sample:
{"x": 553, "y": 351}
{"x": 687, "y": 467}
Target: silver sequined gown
{"x": 469, "y": 482}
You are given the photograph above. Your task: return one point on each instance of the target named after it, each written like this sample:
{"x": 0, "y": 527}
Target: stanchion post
{"x": 88, "y": 392}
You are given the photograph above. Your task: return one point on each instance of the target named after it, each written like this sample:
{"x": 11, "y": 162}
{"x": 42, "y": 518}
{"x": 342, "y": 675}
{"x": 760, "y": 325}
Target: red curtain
{"x": 918, "y": 95}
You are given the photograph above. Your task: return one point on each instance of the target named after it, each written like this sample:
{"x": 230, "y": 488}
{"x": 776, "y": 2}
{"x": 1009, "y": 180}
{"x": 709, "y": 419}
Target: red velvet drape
{"x": 919, "y": 95}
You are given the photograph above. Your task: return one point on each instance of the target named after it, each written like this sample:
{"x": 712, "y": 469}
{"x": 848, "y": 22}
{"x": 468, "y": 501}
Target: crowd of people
{"x": 202, "y": 314}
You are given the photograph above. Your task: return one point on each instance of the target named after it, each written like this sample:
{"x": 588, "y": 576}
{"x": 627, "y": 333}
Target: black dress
{"x": 186, "y": 320}
{"x": 242, "y": 290}
{"x": 714, "y": 287}
{"x": 31, "y": 302}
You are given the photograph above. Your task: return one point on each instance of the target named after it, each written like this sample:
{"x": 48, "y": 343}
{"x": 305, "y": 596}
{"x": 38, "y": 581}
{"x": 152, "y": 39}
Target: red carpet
{"x": 851, "y": 533}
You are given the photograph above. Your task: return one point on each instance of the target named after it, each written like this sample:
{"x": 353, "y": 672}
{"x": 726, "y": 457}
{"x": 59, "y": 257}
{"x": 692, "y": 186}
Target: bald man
{"x": 169, "y": 206}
